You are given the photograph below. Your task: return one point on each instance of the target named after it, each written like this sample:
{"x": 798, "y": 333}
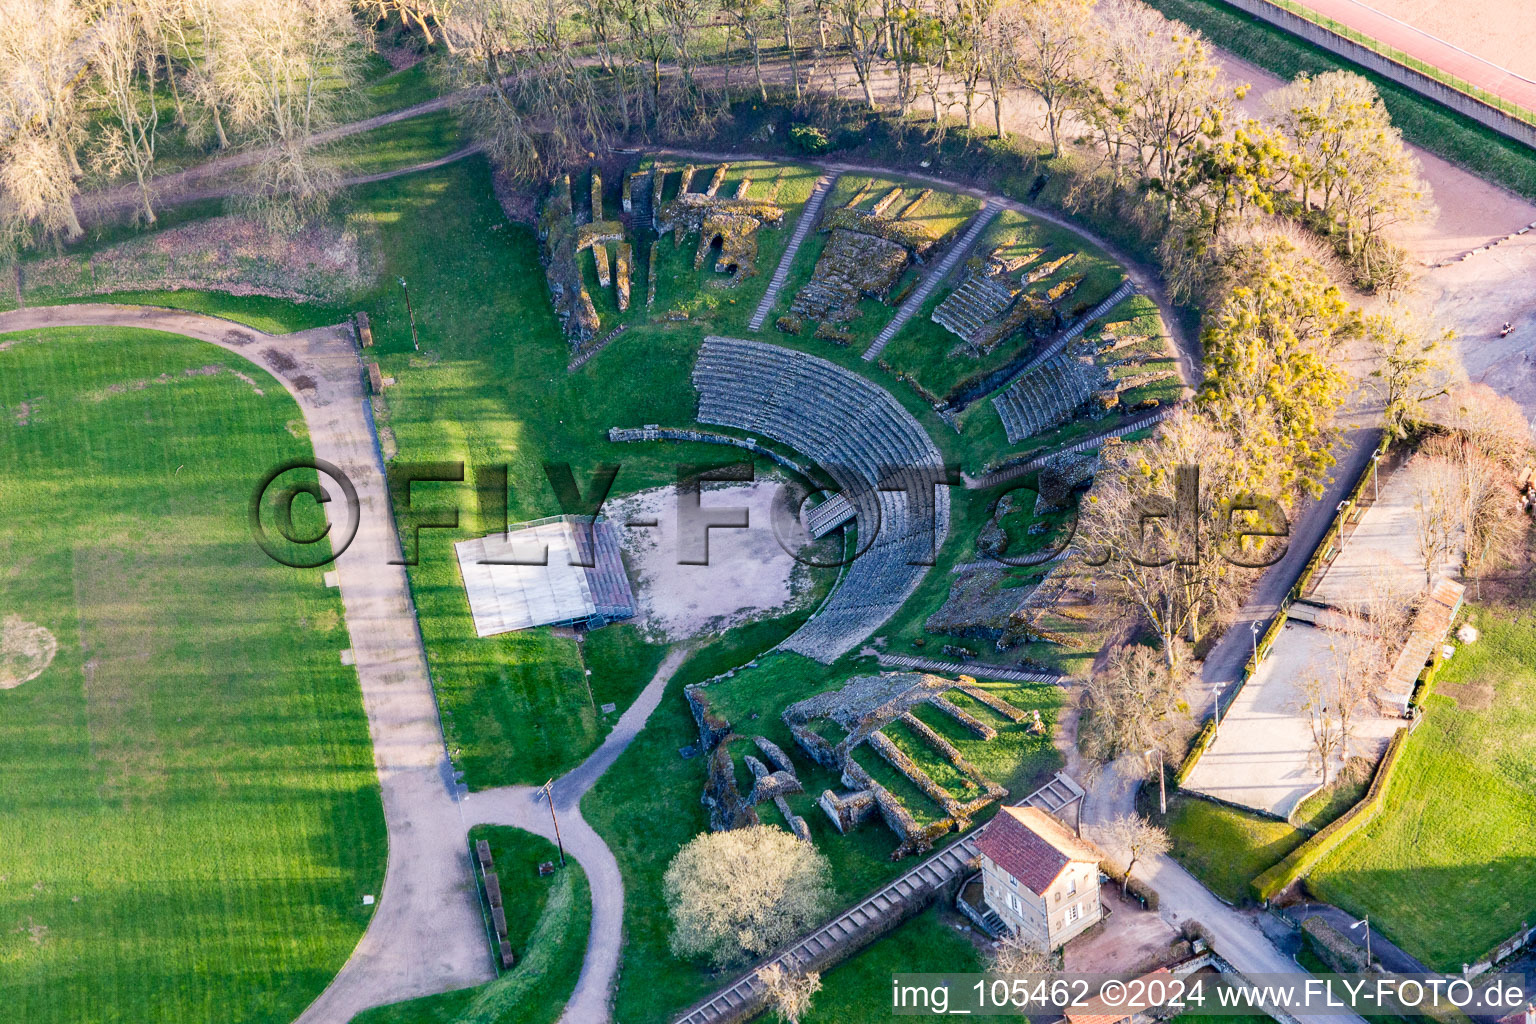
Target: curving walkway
{"x": 426, "y": 934}
{"x": 524, "y": 807}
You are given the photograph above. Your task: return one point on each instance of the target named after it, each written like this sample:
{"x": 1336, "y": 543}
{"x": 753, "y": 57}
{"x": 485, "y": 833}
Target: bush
{"x": 1337, "y": 951}
{"x": 736, "y": 895}
{"x": 809, "y": 139}
{"x": 1302, "y": 859}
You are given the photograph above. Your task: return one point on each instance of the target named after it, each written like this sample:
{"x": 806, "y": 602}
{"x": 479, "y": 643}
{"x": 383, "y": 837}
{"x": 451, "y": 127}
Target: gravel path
{"x": 525, "y": 808}
{"x": 426, "y": 934}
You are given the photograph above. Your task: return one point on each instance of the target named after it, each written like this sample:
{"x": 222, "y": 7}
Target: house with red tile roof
{"x": 1040, "y": 878}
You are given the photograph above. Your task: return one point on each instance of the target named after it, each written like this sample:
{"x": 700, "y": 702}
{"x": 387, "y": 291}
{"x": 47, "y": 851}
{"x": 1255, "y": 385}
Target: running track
{"x": 1430, "y": 49}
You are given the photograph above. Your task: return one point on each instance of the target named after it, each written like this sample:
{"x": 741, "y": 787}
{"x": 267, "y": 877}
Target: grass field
{"x": 187, "y": 796}
{"x": 928, "y": 352}
{"x": 859, "y": 991}
{"x": 1448, "y": 869}
{"x": 548, "y": 920}
{"x": 1222, "y": 846}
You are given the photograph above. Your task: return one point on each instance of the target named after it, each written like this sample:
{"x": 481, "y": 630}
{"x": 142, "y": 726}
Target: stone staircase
{"x": 1048, "y": 395}
{"x": 640, "y": 201}
{"x": 841, "y": 936}
{"x": 915, "y": 301}
{"x": 975, "y": 670}
{"x": 808, "y": 218}
{"x": 979, "y": 300}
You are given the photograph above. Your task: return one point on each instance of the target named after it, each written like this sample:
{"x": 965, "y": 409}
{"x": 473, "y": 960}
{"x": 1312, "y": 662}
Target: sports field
{"x": 187, "y": 797}
{"x": 1448, "y": 870}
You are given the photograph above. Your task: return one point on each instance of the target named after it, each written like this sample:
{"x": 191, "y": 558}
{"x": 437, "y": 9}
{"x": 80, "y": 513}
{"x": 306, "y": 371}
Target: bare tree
{"x": 1139, "y": 838}
{"x": 1174, "y": 101}
{"x": 1137, "y": 703}
{"x": 1357, "y": 664}
{"x": 1051, "y": 43}
{"x": 1349, "y": 156}
{"x": 1133, "y": 534}
{"x": 789, "y": 992}
{"x": 862, "y": 30}
{"x": 421, "y": 15}
{"x": 1491, "y": 422}
{"x": 40, "y": 46}
{"x": 287, "y": 69}
{"x": 1323, "y": 722}
{"x": 124, "y": 63}
{"x": 1015, "y": 956}
{"x": 1484, "y": 506}
{"x": 1414, "y": 366}
{"x": 1434, "y": 512}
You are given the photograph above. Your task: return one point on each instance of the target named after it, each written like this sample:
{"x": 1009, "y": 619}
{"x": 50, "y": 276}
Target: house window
{"x": 1072, "y": 886}
{"x": 1072, "y": 914}
{"x": 1014, "y": 904}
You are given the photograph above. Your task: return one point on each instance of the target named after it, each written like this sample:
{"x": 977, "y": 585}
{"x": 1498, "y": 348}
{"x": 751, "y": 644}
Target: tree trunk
{"x": 789, "y": 45}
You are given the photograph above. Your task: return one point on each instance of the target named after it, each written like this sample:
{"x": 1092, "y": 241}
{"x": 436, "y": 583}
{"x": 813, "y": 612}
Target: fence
{"x": 1501, "y": 115}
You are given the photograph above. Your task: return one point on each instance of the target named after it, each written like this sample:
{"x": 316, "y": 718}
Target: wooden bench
{"x": 364, "y": 331}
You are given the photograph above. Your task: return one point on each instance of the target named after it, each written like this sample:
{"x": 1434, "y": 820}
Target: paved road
{"x": 426, "y": 934}
{"x": 1383, "y": 950}
{"x": 1224, "y": 663}
{"x": 1181, "y": 897}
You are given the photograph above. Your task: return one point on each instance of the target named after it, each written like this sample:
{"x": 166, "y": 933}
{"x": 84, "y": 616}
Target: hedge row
{"x": 1203, "y": 739}
{"x": 1302, "y": 859}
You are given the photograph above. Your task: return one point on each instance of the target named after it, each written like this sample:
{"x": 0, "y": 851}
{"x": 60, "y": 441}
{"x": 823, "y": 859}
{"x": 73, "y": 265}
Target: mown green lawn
{"x": 547, "y": 919}
{"x": 937, "y": 358}
{"x": 1222, "y": 846}
{"x": 945, "y": 213}
{"x": 651, "y": 782}
{"x": 859, "y": 991}
{"x": 187, "y": 793}
{"x": 1448, "y": 869}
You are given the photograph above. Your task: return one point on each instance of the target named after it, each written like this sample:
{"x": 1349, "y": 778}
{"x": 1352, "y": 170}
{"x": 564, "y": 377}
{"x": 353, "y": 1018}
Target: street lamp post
{"x": 1253, "y": 627}
{"x": 1366, "y": 924}
{"x": 1375, "y": 477}
{"x": 551, "y": 800}
{"x": 1162, "y": 790}
{"x": 1216, "y": 730}
{"x": 415, "y": 341}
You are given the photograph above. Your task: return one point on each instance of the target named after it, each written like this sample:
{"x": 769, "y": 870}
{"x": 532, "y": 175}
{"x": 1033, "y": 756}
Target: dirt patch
{"x": 1469, "y": 696}
{"x": 208, "y": 370}
{"x": 748, "y": 576}
{"x": 280, "y": 361}
{"x": 26, "y": 651}
{"x": 24, "y": 411}
{"x": 322, "y": 262}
